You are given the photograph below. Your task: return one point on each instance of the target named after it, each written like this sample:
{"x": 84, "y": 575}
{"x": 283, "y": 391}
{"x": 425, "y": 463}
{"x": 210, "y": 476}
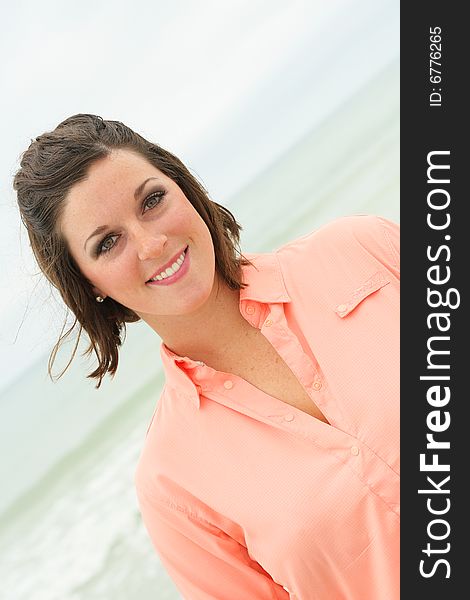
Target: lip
{"x": 181, "y": 271}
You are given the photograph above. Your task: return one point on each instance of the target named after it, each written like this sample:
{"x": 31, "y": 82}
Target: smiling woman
{"x": 89, "y": 177}
{"x": 144, "y": 238}
{"x": 270, "y": 468}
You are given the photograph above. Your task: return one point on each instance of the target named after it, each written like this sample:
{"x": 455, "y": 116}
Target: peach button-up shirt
{"x": 248, "y": 498}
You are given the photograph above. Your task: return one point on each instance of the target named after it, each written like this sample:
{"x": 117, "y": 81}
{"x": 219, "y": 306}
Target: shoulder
{"x": 170, "y": 449}
{"x": 346, "y": 243}
{"x": 156, "y": 453}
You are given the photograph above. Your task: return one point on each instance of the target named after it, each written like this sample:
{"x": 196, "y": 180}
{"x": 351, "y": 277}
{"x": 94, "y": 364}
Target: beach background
{"x": 289, "y": 115}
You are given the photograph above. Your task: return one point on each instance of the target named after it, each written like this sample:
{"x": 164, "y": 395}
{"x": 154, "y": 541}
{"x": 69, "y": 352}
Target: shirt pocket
{"x": 368, "y": 287}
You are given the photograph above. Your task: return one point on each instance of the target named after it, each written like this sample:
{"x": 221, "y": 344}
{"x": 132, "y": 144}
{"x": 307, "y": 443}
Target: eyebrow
{"x": 137, "y": 194}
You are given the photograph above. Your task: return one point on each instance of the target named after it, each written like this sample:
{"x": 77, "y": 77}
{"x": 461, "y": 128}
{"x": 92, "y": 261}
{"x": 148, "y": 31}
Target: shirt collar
{"x": 265, "y": 285}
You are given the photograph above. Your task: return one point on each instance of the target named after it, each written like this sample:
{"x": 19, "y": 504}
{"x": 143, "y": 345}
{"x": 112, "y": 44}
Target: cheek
{"x": 190, "y": 224}
{"x": 203, "y": 233}
{"x": 114, "y": 277}
{"x": 179, "y": 219}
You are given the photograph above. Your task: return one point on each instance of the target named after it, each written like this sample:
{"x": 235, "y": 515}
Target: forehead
{"x": 121, "y": 166}
{"x": 112, "y": 178}
{"x": 110, "y": 184}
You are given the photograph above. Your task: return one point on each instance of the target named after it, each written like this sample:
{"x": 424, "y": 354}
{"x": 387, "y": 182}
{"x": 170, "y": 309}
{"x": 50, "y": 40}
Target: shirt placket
{"x": 233, "y": 392}
{"x": 270, "y": 319}
{"x": 239, "y": 395}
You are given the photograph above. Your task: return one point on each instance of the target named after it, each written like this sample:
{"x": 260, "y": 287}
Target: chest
{"x": 260, "y": 364}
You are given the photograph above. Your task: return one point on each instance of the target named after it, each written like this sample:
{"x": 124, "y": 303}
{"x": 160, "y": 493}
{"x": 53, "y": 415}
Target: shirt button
{"x": 354, "y": 450}
{"x": 268, "y": 322}
{"x": 250, "y": 310}
{"x": 317, "y": 385}
{"x": 289, "y": 417}
{"x": 228, "y": 385}
{"x": 341, "y": 307}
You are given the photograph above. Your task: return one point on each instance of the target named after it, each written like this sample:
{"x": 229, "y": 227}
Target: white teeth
{"x": 170, "y": 270}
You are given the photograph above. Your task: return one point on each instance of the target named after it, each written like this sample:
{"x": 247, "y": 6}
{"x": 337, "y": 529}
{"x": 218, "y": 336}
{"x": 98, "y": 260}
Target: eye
{"x": 103, "y": 247}
{"x": 153, "y": 199}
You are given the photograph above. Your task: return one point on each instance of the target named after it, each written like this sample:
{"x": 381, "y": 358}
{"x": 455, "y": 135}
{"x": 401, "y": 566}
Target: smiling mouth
{"x": 172, "y": 269}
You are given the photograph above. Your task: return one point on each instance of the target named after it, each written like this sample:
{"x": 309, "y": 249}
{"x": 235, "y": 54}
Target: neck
{"x": 206, "y": 333}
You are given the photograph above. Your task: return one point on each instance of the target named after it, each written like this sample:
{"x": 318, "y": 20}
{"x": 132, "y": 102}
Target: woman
{"x": 271, "y": 466}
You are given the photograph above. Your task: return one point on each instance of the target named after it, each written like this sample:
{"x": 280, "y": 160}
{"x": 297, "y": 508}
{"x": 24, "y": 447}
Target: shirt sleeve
{"x": 203, "y": 561}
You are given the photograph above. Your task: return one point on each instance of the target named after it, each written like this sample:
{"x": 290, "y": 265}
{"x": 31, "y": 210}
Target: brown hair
{"x": 52, "y": 164}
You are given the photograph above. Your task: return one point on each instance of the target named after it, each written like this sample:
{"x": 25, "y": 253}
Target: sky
{"x": 226, "y": 86}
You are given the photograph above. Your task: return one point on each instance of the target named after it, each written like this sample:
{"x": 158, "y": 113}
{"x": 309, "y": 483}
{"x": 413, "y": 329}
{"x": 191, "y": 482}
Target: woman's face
{"x": 145, "y": 224}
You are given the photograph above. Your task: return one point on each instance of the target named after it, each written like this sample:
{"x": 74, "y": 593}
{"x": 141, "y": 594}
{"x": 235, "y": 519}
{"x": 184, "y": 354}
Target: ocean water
{"x": 69, "y": 522}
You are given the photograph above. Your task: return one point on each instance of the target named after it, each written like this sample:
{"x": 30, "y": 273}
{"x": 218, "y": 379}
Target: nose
{"x": 150, "y": 245}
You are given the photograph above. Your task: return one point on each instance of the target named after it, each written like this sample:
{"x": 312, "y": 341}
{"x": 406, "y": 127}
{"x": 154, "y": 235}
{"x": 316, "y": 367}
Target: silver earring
{"x": 99, "y": 299}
